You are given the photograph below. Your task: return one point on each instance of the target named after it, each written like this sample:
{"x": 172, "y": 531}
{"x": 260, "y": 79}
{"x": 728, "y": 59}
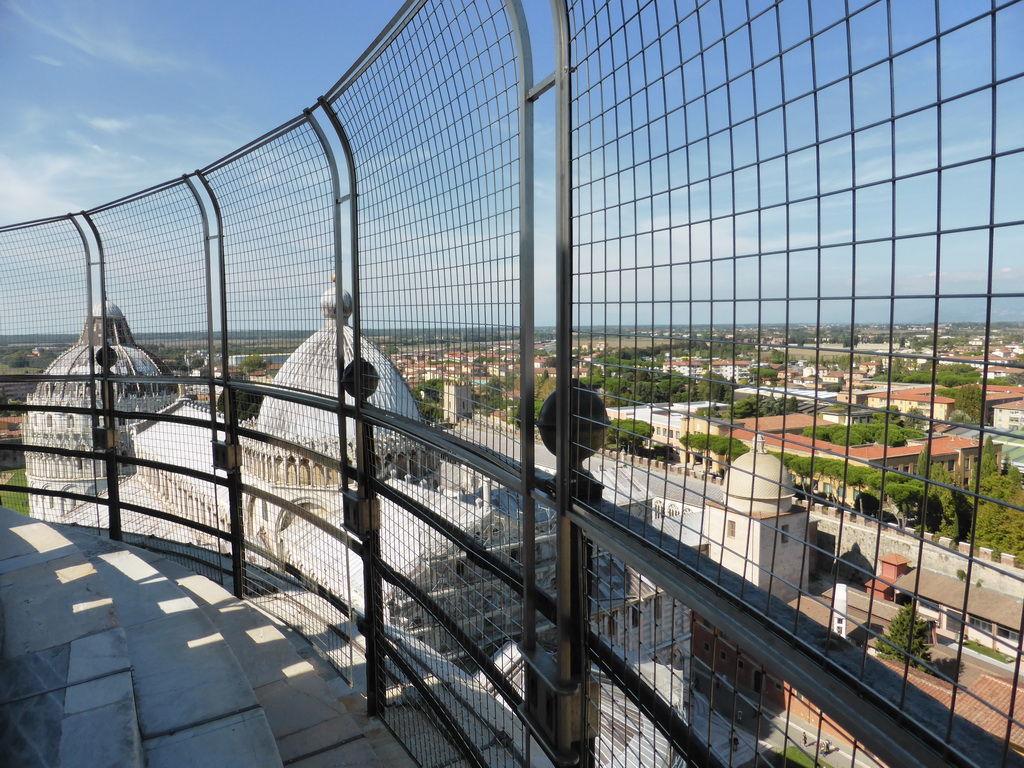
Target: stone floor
{"x": 116, "y": 656}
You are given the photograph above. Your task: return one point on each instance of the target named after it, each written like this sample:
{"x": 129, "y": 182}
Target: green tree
{"x": 764, "y": 374}
{"x": 924, "y": 461}
{"x": 903, "y": 493}
{"x": 247, "y": 404}
{"x": 428, "y": 398}
{"x": 727, "y": 446}
{"x": 714, "y": 388}
{"x": 989, "y": 465}
{"x": 951, "y": 507}
{"x": 744, "y": 409}
{"x": 1001, "y": 525}
{"x": 968, "y": 400}
{"x": 628, "y": 434}
{"x": 907, "y": 643}
{"x": 254, "y": 362}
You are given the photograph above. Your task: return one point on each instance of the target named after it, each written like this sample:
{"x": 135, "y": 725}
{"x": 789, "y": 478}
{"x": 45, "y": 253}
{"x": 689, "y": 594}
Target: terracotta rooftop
{"x": 986, "y": 704}
{"x": 781, "y": 423}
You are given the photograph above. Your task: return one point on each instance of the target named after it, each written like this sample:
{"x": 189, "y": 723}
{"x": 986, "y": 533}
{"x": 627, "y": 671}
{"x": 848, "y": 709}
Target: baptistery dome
{"x": 74, "y": 431}
{"x": 80, "y": 360}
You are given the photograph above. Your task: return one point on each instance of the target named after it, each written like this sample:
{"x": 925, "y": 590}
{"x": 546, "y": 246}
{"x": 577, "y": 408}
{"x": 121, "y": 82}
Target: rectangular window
{"x": 1008, "y": 634}
{"x": 785, "y": 535}
{"x": 635, "y": 616}
{"x": 982, "y": 624}
{"x": 730, "y": 529}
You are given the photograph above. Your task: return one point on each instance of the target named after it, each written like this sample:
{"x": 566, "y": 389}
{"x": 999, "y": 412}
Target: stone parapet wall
{"x": 941, "y": 555}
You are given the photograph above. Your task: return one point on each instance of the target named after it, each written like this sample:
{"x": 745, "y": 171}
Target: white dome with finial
{"x": 313, "y": 367}
{"x": 758, "y": 482}
{"x": 112, "y": 309}
{"x": 329, "y": 305}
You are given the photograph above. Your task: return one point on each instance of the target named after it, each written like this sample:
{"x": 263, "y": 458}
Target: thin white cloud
{"x": 48, "y": 60}
{"x": 32, "y": 195}
{"x": 103, "y": 38}
{"x": 107, "y": 124}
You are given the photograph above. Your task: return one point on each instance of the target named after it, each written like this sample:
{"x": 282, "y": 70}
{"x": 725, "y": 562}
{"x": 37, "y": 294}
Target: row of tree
{"x": 942, "y": 508}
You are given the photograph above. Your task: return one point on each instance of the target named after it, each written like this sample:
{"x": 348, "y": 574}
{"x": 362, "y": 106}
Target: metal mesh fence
{"x": 434, "y": 130}
{"x": 791, "y": 228}
{"x": 155, "y": 272}
{"x": 792, "y": 278}
{"x": 46, "y": 271}
{"x": 277, "y": 239}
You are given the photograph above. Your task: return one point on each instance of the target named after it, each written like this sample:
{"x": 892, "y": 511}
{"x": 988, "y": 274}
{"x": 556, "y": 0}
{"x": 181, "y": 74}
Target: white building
{"x": 757, "y": 532}
{"x": 74, "y": 431}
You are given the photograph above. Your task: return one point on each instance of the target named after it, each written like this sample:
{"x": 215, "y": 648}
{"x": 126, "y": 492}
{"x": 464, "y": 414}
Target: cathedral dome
{"x": 73, "y": 385}
{"x": 759, "y": 482}
{"x": 313, "y": 367}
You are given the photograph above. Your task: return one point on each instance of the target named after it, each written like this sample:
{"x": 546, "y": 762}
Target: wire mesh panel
{"x": 450, "y": 549}
{"x": 794, "y": 227}
{"x": 795, "y": 286}
{"x": 433, "y": 126}
{"x": 154, "y": 323}
{"x": 155, "y": 273}
{"x": 306, "y": 571}
{"x": 277, "y": 237}
{"x": 46, "y": 275}
{"x": 431, "y": 120}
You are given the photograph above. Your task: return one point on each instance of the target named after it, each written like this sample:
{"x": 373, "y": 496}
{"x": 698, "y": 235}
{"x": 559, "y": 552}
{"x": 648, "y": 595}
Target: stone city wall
{"x": 938, "y": 554}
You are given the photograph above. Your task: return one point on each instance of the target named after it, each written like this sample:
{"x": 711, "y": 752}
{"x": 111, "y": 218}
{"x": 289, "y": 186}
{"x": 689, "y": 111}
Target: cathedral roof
{"x": 313, "y": 367}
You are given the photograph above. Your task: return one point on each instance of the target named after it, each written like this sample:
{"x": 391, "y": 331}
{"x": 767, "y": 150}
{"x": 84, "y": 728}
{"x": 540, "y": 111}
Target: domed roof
{"x": 329, "y": 305}
{"x": 80, "y": 360}
{"x": 131, "y": 361}
{"x": 758, "y": 476}
{"x": 313, "y": 367}
{"x": 112, "y": 309}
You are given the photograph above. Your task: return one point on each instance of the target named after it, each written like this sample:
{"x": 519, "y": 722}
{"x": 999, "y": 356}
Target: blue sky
{"x": 105, "y": 97}
{"x": 102, "y": 99}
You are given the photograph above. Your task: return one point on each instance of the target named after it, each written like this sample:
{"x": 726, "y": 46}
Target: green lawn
{"x": 12, "y": 499}
{"x": 796, "y": 758}
{"x": 987, "y": 651}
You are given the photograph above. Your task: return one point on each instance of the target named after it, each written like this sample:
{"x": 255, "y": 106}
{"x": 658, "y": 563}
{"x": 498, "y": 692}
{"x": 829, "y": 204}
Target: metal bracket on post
{"x": 226, "y": 456}
{"x": 361, "y": 515}
{"x": 553, "y": 711}
{"x": 105, "y": 438}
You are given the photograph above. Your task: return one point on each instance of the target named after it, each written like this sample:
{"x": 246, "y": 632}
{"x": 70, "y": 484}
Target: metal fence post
{"x": 105, "y": 436}
{"x": 227, "y": 453}
{"x": 365, "y": 515}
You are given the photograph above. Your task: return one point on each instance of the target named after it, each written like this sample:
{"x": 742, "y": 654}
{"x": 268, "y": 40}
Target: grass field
{"x": 987, "y": 651}
{"x": 13, "y": 499}
{"x": 797, "y": 759}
